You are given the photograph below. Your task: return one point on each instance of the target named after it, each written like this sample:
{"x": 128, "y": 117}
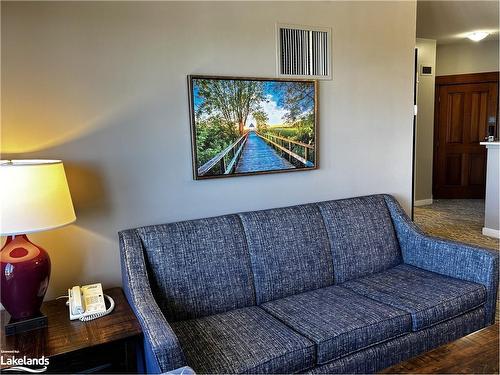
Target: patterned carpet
{"x": 456, "y": 219}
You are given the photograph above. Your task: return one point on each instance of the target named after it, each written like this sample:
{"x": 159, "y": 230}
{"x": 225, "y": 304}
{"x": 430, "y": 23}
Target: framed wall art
{"x": 244, "y": 126}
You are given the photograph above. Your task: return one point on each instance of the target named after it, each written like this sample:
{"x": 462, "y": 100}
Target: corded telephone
{"x": 87, "y": 302}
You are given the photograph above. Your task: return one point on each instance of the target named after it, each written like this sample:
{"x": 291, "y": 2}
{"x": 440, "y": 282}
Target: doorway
{"x": 466, "y": 110}
{"x": 455, "y": 113}
{"x": 457, "y": 108}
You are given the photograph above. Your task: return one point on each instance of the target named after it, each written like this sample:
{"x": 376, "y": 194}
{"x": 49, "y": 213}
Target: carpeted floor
{"x": 456, "y": 219}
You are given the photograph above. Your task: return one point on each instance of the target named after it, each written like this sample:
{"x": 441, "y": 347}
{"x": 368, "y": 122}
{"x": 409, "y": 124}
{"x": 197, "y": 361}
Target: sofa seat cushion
{"x": 246, "y": 340}
{"x": 339, "y": 321}
{"x": 430, "y": 298}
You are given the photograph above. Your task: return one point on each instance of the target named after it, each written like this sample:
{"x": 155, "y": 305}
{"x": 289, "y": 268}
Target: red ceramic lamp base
{"x": 25, "y": 273}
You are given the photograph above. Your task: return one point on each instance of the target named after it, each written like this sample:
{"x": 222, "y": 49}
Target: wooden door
{"x": 463, "y": 113}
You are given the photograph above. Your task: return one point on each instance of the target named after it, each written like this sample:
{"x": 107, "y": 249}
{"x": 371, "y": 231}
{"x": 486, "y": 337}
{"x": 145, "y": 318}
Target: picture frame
{"x": 244, "y": 126}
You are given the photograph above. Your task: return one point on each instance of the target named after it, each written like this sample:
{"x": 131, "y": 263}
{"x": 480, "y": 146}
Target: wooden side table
{"x": 106, "y": 344}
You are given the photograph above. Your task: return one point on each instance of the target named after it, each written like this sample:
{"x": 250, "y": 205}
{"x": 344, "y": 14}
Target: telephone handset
{"x": 87, "y": 302}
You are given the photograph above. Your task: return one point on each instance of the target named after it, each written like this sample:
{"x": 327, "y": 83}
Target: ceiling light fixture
{"x": 476, "y": 36}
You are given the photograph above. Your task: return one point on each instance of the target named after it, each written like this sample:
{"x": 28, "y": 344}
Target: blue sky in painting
{"x": 274, "y": 92}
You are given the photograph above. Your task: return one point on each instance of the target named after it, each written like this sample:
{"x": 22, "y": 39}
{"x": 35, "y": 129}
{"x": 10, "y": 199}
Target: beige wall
{"x": 425, "y": 122}
{"x": 103, "y": 87}
{"x": 467, "y": 57}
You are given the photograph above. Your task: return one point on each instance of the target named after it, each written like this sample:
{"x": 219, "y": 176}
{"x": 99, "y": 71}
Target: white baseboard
{"x": 491, "y": 232}
{"x": 423, "y": 202}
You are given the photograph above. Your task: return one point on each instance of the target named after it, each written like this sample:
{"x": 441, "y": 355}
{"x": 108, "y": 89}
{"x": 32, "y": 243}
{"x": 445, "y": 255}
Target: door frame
{"x": 455, "y": 79}
{"x": 414, "y": 131}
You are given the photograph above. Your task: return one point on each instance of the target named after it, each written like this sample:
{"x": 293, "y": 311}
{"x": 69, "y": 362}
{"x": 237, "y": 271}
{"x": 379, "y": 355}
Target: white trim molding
{"x": 423, "y": 202}
{"x": 491, "y": 232}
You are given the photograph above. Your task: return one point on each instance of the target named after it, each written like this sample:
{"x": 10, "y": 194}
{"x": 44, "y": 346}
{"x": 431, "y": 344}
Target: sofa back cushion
{"x": 199, "y": 267}
{"x": 362, "y": 236}
{"x": 289, "y": 251}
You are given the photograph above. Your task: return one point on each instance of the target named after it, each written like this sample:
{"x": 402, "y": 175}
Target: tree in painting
{"x": 233, "y": 100}
{"x": 298, "y": 98}
{"x": 298, "y": 102}
{"x": 246, "y": 126}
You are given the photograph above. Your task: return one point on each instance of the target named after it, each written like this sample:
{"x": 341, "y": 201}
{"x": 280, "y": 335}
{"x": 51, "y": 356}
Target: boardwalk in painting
{"x": 258, "y": 155}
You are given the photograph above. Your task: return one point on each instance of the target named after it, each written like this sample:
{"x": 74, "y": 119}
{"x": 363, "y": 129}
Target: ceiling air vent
{"x": 303, "y": 51}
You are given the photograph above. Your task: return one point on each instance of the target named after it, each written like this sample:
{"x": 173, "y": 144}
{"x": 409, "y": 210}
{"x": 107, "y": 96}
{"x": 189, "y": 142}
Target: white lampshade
{"x": 34, "y": 196}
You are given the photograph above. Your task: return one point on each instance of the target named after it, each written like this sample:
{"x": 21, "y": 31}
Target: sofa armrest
{"x": 162, "y": 350}
{"x": 450, "y": 258}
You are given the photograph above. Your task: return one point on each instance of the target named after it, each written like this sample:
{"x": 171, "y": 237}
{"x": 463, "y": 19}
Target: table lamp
{"x": 34, "y": 197}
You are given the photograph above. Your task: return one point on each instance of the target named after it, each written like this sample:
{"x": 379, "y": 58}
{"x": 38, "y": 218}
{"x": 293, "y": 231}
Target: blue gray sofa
{"x": 345, "y": 286}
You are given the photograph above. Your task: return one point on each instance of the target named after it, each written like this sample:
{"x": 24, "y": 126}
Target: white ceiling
{"x": 449, "y": 21}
